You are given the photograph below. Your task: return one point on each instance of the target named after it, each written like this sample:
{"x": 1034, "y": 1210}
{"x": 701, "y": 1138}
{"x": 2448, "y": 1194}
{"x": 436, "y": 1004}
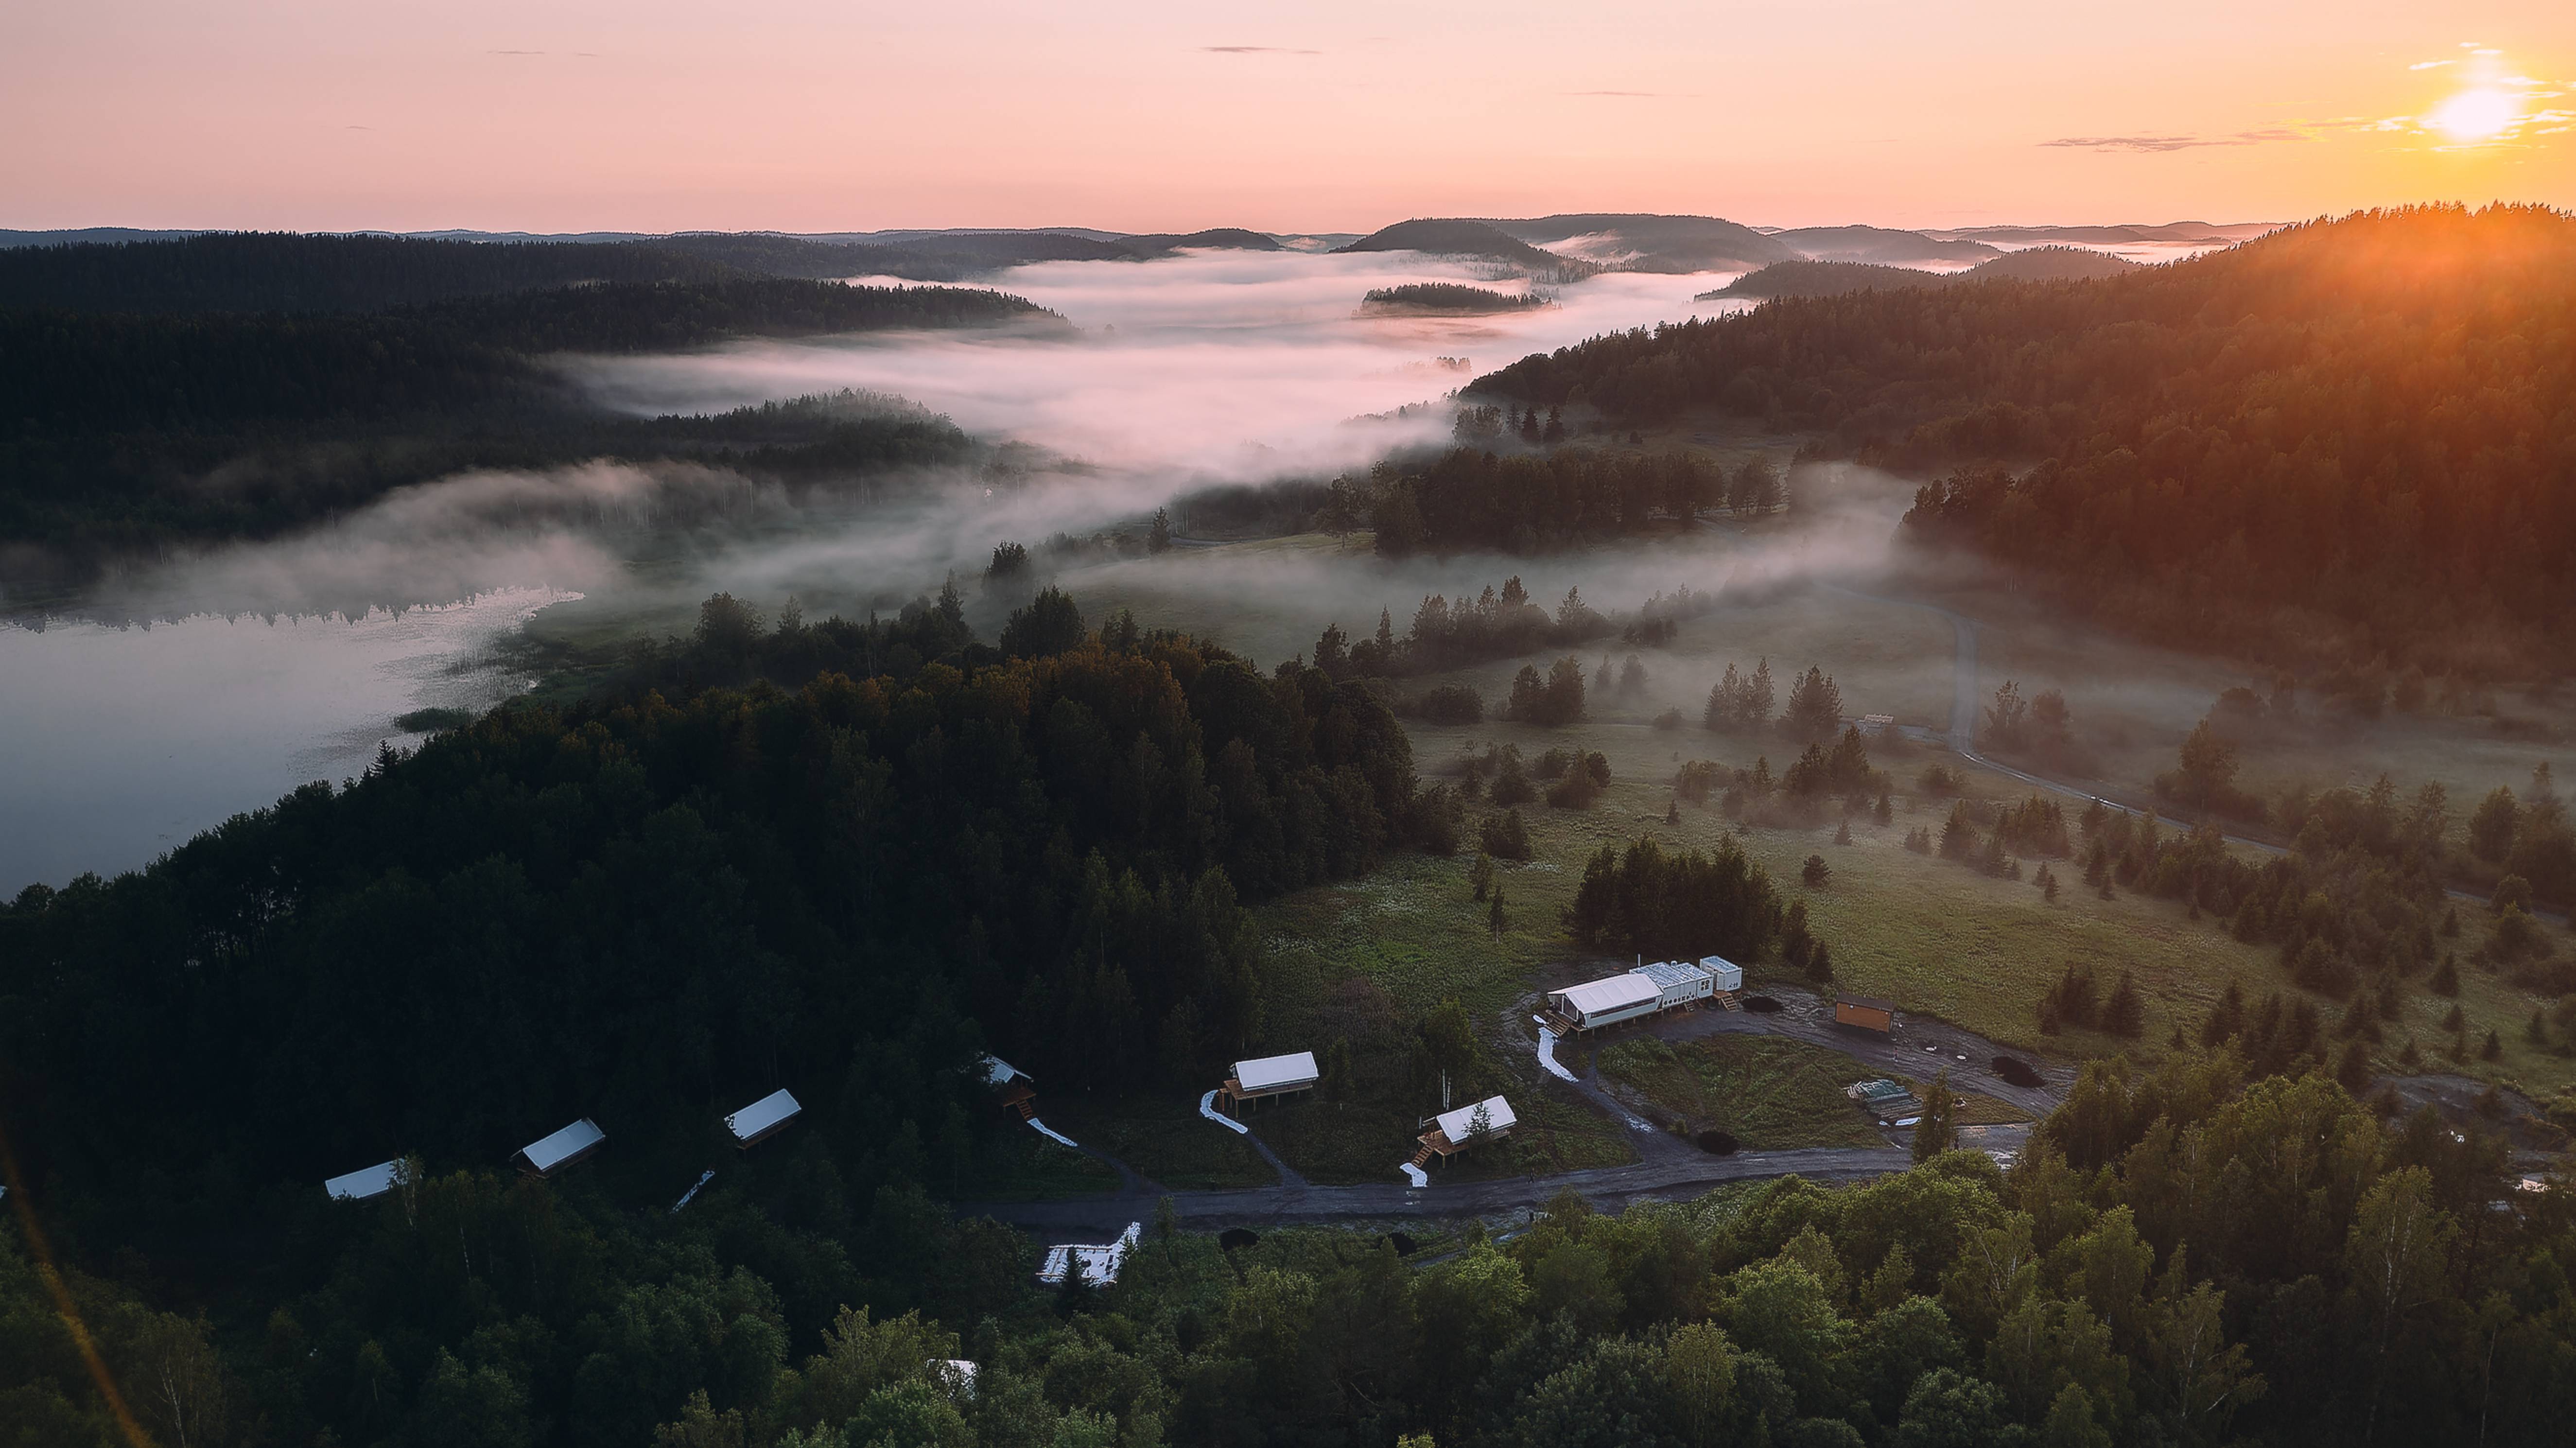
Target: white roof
{"x": 1610, "y": 993}
{"x": 1670, "y": 972}
{"x": 761, "y": 1115}
{"x": 998, "y": 1072}
{"x": 1455, "y": 1125}
{"x": 358, "y": 1186}
{"x": 1272, "y": 1072}
{"x": 548, "y": 1152}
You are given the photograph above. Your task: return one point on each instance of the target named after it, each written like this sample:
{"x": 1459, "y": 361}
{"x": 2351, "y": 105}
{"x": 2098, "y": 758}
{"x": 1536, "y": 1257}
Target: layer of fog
{"x": 1210, "y": 367}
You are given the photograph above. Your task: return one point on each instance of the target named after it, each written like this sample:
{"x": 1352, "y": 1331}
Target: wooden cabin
{"x": 762, "y": 1119}
{"x": 553, "y": 1152}
{"x": 1269, "y": 1078}
{"x": 1866, "y": 1014}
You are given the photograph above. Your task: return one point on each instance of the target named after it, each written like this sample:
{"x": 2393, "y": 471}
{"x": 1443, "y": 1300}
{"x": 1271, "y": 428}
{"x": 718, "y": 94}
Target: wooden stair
{"x": 1027, "y": 1107}
{"x": 1423, "y": 1157}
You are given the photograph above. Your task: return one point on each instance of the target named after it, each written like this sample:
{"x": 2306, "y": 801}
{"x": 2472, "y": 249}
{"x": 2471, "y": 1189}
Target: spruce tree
{"x": 2125, "y": 1013}
{"x": 2446, "y": 977}
{"x": 1937, "y": 1130}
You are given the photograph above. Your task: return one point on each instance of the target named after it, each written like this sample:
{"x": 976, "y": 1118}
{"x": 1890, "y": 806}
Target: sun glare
{"x": 2475, "y": 115}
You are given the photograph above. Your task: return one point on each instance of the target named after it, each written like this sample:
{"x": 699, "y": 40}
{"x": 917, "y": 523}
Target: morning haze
{"x": 1367, "y": 728}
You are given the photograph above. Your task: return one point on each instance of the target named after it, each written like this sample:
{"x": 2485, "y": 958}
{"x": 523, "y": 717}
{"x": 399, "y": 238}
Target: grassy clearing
{"x": 1163, "y": 1138}
{"x": 1337, "y": 1143}
{"x": 1021, "y": 1166}
{"x": 1769, "y": 1092}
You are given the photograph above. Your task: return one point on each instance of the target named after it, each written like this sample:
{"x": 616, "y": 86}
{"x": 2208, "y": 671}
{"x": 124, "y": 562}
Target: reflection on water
{"x": 117, "y": 744}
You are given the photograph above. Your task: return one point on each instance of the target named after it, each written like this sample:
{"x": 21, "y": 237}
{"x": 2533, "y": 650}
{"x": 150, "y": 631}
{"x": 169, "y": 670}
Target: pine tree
{"x": 1673, "y": 812}
{"x": 1158, "y": 536}
{"x": 1481, "y": 874}
{"x": 1820, "y": 964}
{"x": 2493, "y": 1049}
{"x": 1937, "y": 1129}
{"x": 2446, "y": 977}
{"x": 1886, "y": 811}
{"x": 1494, "y": 916}
{"x": 1842, "y": 834}
{"x": 2352, "y": 1067}
{"x": 1815, "y": 872}
{"x": 2125, "y": 1013}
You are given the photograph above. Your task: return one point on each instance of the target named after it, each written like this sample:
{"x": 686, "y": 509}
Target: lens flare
{"x": 2476, "y": 115}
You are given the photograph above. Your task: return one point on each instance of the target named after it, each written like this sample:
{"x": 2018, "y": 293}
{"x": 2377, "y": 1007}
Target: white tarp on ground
{"x": 1099, "y": 1264}
{"x": 1458, "y": 1125}
{"x": 1595, "y": 999}
{"x": 1547, "y": 1054}
{"x": 1207, "y": 1108}
{"x": 1051, "y": 1134}
{"x": 358, "y": 1186}
{"x": 761, "y": 1115}
{"x": 1413, "y": 1174}
{"x": 1277, "y": 1073}
{"x": 553, "y": 1150}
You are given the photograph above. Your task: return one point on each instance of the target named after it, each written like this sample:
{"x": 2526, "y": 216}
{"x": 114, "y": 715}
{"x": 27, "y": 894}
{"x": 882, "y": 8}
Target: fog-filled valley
{"x": 1604, "y": 828}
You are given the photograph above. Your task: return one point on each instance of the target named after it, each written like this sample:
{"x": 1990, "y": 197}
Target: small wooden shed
{"x": 1866, "y": 1014}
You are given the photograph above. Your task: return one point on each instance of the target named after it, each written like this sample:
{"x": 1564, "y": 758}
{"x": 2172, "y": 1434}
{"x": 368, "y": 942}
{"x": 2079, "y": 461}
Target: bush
{"x": 1554, "y": 763}
{"x": 1815, "y": 872}
{"x": 1576, "y": 791}
{"x": 1439, "y": 819}
{"x": 1668, "y": 720}
{"x": 1450, "y": 704}
{"x": 1504, "y": 836}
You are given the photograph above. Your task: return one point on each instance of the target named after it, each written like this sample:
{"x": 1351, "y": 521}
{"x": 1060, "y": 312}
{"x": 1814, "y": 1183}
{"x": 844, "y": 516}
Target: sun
{"x": 2476, "y": 115}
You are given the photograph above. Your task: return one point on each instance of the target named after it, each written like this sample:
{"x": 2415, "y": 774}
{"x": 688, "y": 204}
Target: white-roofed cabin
{"x": 1267, "y": 1078}
{"x": 1452, "y": 1132}
{"x": 762, "y": 1119}
{"x": 367, "y": 1185}
{"x": 1604, "y": 1002}
{"x": 553, "y": 1152}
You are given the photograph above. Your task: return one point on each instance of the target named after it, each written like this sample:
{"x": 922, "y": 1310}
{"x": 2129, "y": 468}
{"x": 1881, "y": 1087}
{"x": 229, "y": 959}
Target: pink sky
{"x": 805, "y": 116}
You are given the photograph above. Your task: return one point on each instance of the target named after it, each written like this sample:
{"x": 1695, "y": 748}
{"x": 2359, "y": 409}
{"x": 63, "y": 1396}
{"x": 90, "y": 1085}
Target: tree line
{"x": 117, "y": 415}
{"x": 2356, "y": 420}
{"x": 2179, "y": 1257}
{"x": 1472, "y": 498}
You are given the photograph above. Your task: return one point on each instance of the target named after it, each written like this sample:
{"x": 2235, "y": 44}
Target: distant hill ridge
{"x": 1840, "y": 278}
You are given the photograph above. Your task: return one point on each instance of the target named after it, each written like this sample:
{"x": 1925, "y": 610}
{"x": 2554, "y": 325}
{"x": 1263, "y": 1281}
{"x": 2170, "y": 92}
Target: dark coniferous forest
{"x": 2349, "y": 437}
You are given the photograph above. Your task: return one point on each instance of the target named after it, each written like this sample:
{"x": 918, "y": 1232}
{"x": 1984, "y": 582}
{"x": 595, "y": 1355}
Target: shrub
{"x": 1815, "y": 872}
{"x": 1505, "y": 836}
{"x": 1450, "y": 704}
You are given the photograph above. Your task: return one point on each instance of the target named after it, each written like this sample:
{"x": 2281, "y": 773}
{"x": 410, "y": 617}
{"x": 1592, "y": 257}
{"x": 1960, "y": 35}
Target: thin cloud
{"x": 2179, "y": 143}
{"x": 1255, "y": 50}
{"x": 1640, "y": 94}
{"x": 2431, "y": 64}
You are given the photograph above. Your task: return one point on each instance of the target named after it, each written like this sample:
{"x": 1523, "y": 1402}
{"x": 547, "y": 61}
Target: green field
{"x": 1017, "y": 1166}
{"x": 1769, "y": 1092}
{"x": 1936, "y": 936}
{"x": 1163, "y": 1138}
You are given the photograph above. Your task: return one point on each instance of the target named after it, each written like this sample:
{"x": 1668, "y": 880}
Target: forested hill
{"x": 291, "y": 272}
{"x": 111, "y": 415}
{"x": 1835, "y": 278}
{"x": 2362, "y": 430}
{"x": 650, "y": 912}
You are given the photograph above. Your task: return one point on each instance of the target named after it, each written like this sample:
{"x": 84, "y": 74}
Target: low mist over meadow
{"x": 1326, "y": 727}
